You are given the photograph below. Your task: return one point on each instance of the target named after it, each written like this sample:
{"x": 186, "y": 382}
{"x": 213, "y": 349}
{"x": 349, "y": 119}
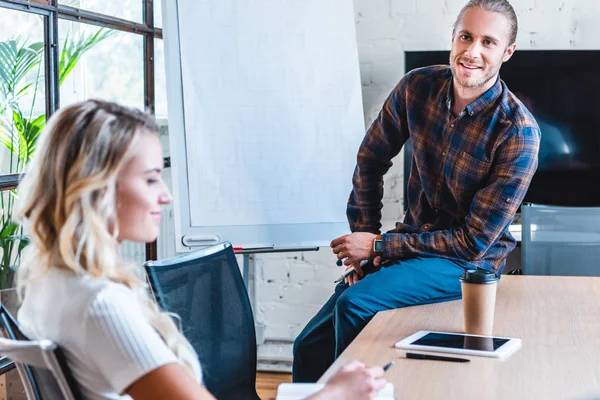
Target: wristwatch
{"x": 378, "y": 245}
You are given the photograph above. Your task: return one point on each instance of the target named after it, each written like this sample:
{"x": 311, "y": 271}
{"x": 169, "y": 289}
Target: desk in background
{"x": 557, "y": 318}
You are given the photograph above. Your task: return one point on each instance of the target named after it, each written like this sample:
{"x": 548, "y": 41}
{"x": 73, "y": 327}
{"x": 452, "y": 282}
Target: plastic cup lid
{"x": 478, "y": 276}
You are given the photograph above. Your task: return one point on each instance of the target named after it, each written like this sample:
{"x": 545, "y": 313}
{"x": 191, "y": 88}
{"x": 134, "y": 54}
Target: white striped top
{"x": 99, "y": 326}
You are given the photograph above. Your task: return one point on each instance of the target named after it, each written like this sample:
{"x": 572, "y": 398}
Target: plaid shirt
{"x": 469, "y": 173}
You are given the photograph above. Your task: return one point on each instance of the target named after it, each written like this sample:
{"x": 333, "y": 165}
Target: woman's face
{"x": 141, "y": 192}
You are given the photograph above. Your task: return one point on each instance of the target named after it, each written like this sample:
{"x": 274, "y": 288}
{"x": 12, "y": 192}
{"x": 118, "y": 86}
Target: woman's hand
{"x": 354, "y": 381}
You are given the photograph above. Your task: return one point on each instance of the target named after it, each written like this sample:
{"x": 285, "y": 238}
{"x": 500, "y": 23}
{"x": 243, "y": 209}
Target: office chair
{"x": 560, "y": 240}
{"x": 206, "y": 290}
{"x": 41, "y": 364}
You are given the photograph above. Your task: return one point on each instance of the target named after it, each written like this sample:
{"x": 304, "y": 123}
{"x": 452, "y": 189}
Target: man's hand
{"x": 354, "y": 278}
{"x": 355, "y": 247}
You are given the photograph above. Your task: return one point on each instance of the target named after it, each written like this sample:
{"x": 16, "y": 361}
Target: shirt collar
{"x": 481, "y": 102}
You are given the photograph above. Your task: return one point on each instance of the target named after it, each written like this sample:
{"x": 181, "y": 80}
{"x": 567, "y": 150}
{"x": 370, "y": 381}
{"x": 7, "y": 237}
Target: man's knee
{"x": 351, "y": 303}
{"x": 299, "y": 344}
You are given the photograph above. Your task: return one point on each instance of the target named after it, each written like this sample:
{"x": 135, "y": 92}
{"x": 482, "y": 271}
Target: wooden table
{"x": 557, "y": 318}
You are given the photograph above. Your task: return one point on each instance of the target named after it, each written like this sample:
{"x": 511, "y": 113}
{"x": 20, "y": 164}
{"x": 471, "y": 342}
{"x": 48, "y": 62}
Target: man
{"x": 475, "y": 151}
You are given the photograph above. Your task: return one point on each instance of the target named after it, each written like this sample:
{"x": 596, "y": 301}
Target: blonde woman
{"x": 95, "y": 181}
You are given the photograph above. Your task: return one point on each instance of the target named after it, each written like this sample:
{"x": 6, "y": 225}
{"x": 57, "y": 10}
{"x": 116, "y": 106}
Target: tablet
{"x": 460, "y": 343}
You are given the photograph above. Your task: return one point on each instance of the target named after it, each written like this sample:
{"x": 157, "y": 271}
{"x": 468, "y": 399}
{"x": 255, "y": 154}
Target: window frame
{"x": 52, "y": 11}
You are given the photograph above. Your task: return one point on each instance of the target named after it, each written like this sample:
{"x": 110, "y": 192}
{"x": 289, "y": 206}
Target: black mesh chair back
{"x": 41, "y": 364}
{"x": 206, "y": 290}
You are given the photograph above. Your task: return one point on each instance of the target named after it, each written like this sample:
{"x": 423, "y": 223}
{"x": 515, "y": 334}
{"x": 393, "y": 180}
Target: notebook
{"x": 298, "y": 391}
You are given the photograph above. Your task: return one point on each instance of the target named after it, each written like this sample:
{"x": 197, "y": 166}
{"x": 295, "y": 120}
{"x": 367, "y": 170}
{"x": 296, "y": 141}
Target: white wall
{"x": 291, "y": 287}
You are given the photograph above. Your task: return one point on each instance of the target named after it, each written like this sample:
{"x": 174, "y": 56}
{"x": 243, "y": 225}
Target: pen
{"x": 417, "y": 356}
{"x": 339, "y": 263}
{"x": 388, "y": 365}
{"x": 366, "y": 265}
{"x": 352, "y": 270}
{"x": 344, "y": 275}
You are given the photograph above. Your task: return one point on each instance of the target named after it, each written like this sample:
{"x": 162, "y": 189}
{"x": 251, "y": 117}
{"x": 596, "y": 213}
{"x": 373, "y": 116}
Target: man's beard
{"x": 470, "y": 83}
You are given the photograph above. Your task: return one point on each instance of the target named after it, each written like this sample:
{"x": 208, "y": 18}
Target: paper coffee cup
{"x": 479, "y": 300}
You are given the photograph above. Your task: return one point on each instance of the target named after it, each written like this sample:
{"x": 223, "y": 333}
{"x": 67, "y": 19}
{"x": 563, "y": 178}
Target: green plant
{"x": 20, "y": 77}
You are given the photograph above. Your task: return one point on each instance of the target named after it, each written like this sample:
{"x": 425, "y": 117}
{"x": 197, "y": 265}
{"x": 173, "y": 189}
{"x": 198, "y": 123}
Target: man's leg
{"x": 411, "y": 282}
{"x": 314, "y": 348}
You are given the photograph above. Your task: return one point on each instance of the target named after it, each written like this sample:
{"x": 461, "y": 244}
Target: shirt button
{"x": 508, "y": 199}
{"x": 471, "y": 113}
{"x": 444, "y": 154}
{"x": 451, "y": 125}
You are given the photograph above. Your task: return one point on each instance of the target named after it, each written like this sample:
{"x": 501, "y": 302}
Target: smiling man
{"x": 475, "y": 149}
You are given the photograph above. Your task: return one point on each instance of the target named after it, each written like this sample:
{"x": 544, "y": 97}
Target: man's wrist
{"x": 378, "y": 245}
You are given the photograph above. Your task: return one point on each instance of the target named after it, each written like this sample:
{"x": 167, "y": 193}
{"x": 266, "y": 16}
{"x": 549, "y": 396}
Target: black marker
{"x": 388, "y": 365}
{"x": 366, "y": 265}
{"x": 417, "y": 356}
{"x": 363, "y": 264}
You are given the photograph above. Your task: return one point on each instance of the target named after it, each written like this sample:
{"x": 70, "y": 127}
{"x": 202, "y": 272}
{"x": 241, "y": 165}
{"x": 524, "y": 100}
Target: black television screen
{"x": 560, "y": 88}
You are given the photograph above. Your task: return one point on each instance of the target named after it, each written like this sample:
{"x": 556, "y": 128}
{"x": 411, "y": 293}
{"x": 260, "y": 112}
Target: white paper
{"x": 298, "y": 391}
{"x": 273, "y": 110}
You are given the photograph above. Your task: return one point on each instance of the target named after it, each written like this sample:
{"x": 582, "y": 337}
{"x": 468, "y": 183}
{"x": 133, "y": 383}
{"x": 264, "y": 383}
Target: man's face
{"x": 479, "y": 47}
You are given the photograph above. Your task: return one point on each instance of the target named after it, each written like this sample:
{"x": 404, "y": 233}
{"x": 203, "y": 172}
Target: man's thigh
{"x": 415, "y": 281}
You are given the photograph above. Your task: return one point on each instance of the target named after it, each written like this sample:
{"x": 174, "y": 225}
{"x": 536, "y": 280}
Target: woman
{"x": 95, "y": 181}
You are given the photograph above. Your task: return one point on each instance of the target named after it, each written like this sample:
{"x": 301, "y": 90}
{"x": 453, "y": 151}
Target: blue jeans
{"x": 412, "y": 282}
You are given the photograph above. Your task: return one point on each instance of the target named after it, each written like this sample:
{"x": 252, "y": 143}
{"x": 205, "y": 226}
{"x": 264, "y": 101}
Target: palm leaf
{"x": 23, "y": 144}
{"x": 73, "y": 50}
{"x": 8, "y": 229}
{"x": 16, "y": 60}
{"x": 20, "y": 136}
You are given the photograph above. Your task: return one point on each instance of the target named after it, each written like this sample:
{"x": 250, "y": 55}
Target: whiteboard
{"x": 265, "y": 119}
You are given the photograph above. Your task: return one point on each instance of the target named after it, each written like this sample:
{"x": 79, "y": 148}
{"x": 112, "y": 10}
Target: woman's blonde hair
{"x": 67, "y": 201}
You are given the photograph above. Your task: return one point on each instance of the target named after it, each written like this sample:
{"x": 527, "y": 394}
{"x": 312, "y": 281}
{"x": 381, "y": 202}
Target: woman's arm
{"x": 171, "y": 381}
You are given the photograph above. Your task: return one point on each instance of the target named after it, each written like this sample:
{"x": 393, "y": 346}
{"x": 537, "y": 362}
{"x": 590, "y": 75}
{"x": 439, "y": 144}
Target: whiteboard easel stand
{"x": 249, "y": 270}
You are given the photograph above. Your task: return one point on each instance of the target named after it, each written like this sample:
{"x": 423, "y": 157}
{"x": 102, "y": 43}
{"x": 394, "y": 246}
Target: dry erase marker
{"x": 345, "y": 275}
{"x": 363, "y": 264}
{"x": 417, "y": 356}
{"x": 352, "y": 270}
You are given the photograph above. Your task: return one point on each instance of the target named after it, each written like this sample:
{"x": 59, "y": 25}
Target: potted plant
{"x": 20, "y": 76}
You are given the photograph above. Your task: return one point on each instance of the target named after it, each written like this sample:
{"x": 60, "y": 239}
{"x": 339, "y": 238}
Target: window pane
{"x": 22, "y": 87}
{"x": 160, "y": 79}
{"x": 130, "y": 10}
{"x": 158, "y": 13}
{"x": 22, "y": 116}
{"x": 112, "y": 67}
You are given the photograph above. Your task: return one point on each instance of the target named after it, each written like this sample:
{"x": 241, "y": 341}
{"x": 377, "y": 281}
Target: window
{"x": 161, "y": 79}
{"x": 112, "y": 69}
{"x": 101, "y": 47}
{"x": 22, "y": 84}
{"x": 130, "y": 10}
{"x": 158, "y": 13}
